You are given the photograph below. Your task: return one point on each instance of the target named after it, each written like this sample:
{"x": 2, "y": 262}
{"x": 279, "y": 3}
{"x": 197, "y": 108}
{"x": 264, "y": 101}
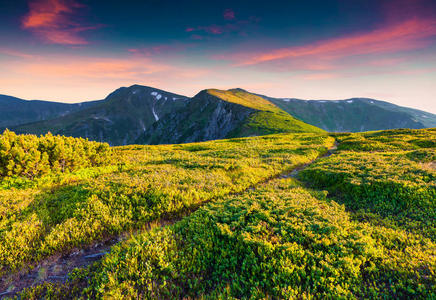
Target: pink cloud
{"x": 15, "y": 53}
{"x": 229, "y": 14}
{"x": 213, "y": 29}
{"x": 382, "y": 62}
{"x": 63, "y": 76}
{"x": 133, "y": 68}
{"x": 53, "y": 21}
{"x": 164, "y": 49}
{"x": 410, "y": 34}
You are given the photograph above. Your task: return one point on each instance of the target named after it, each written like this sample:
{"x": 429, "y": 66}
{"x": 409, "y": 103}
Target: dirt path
{"x": 294, "y": 172}
{"x": 56, "y": 268}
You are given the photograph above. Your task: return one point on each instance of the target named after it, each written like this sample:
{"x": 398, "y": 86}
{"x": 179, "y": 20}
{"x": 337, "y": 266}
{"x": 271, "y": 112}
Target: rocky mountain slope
{"x": 119, "y": 119}
{"x": 215, "y": 114}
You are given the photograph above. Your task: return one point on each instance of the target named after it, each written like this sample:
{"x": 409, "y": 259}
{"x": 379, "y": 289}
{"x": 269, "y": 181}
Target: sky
{"x": 79, "y": 50}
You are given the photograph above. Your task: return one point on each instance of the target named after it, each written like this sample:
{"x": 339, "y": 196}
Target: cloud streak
{"x": 54, "y": 21}
{"x": 408, "y": 35}
{"x": 15, "y": 53}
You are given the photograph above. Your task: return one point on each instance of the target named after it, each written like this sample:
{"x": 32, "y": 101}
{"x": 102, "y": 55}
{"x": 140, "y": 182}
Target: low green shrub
{"x": 279, "y": 241}
{"x": 31, "y": 156}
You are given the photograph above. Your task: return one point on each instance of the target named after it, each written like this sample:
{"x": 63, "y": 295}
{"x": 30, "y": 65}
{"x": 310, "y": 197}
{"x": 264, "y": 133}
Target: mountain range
{"x": 16, "y": 111}
{"x": 146, "y": 115}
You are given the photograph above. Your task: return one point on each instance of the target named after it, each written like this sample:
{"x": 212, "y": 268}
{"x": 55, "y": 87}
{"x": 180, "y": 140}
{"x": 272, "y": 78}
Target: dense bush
{"x": 31, "y": 156}
{"x": 279, "y": 241}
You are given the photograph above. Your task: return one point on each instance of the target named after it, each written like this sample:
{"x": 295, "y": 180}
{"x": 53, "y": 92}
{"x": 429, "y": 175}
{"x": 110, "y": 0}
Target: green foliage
{"x": 371, "y": 237}
{"x": 388, "y": 140}
{"x": 381, "y": 175}
{"x": 70, "y": 210}
{"x": 279, "y": 241}
{"x": 267, "y": 122}
{"x": 31, "y": 156}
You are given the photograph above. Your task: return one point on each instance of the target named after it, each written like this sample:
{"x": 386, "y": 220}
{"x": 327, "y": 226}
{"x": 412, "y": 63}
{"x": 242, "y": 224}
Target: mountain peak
{"x": 237, "y": 90}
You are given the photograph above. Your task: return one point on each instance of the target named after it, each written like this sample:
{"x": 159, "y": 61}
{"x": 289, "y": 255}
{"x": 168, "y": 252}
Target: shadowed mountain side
{"x": 120, "y": 119}
{"x": 16, "y": 111}
{"x": 356, "y": 114}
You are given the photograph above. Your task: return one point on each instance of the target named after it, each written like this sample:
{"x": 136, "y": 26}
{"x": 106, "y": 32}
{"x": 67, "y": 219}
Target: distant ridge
{"x": 355, "y": 114}
{"x": 146, "y": 115}
{"x": 16, "y": 111}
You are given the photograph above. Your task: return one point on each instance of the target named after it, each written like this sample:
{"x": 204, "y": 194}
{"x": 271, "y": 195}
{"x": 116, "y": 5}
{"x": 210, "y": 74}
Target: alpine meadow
{"x": 217, "y": 150}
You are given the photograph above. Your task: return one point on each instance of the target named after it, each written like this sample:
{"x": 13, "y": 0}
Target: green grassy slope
{"x": 58, "y": 212}
{"x": 365, "y": 228}
{"x": 279, "y": 241}
{"x": 387, "y": 176}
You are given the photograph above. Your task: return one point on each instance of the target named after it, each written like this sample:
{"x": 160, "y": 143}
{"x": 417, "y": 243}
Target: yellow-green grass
{"x": 388, "y": 177}
{"x": 59, "y": 211}
{"x": 282, "y": 239}
{"x": 278, "y": 241}
{"x": 244, "y": 98}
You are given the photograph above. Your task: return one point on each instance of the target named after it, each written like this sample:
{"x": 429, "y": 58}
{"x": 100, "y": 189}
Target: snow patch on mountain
{"x": 155, "y": 115}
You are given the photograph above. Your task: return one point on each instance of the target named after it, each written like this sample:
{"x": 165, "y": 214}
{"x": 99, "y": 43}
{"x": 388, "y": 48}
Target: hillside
{"x": 216, "y": 114}
{"x": 354, "y": 115}
{"x": 15, "y": 111}
{"x": 119, "y": 119}
{"x": 291, "y": 215}
{"x": 145, "y": 115}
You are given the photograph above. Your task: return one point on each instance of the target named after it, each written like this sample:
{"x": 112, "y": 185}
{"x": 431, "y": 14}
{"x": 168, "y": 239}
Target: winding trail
{"x": 55, "y": 269}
